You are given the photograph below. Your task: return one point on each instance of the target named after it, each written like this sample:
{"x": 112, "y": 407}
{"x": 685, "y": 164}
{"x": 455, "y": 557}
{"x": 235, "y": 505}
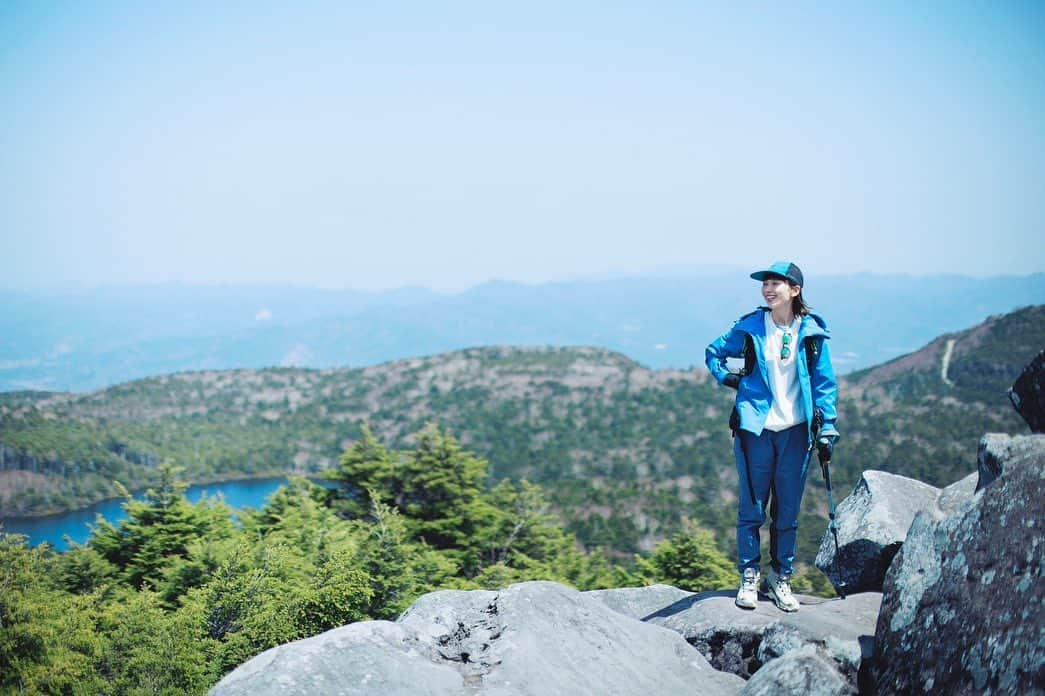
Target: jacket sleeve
{"x": 728, "y": 345}
{"x": 825, "y": 389}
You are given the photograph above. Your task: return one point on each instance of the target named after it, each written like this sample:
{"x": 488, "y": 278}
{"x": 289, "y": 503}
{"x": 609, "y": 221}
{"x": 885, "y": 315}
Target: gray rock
{"x": 458, "y": 627}
{"x": 872, "y": 523}
{"x": 375, "y": 657}
{"x": 639, "y": 602}
{"x": 996, "y": 449}
{"x": 544, "y": 638}
{"x": 800, "y": 671}
{"x": 962, "y": 610}
{"x": 725, "y": 634}
{"x": 955, "y": 495}
{"x": 742, "y": 641}
{"x": 840, "y": 630}
{"x": 531, "y": 638}
{"x": 1026, "y": 394}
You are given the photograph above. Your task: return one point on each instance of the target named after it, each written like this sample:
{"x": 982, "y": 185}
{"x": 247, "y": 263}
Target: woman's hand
{"x": 825, "y": 447}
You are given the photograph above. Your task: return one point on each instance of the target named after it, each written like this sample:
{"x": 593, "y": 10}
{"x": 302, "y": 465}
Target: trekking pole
{"x": 825, "y": 467}
{"x": 824, "y": 455}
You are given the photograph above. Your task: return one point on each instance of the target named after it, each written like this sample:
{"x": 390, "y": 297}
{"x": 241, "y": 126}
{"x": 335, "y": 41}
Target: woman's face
{"x": 778, "y": 292}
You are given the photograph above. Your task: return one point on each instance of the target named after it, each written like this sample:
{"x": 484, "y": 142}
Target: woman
{"x": 785, "y": 398}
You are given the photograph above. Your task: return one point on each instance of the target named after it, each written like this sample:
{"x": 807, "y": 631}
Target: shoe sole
{"x": 745, "y": 606}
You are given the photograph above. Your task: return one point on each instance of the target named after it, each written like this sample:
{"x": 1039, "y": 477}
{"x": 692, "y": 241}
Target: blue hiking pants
{"x": 771, "y": 466}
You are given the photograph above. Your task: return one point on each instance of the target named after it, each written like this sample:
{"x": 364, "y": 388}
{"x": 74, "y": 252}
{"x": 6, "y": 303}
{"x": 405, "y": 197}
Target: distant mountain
{"x": 86, "y": 341}
{"x": 624, "y": 451}
{"x": 80, "y": 341}
{"x": 921, "y": 414}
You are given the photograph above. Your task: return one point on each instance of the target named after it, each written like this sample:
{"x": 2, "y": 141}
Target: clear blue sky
{"x": 374, "y": 145}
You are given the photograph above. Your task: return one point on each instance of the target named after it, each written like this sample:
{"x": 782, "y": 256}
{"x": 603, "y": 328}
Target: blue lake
{"x": 76, "y": 523}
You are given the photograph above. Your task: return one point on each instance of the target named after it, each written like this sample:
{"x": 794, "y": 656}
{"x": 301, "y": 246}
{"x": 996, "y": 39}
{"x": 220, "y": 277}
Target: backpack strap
{"x": 749, "y": 355}
{"x": 814, "y": 344}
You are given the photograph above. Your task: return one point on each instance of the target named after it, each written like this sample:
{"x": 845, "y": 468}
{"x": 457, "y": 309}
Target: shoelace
{"x": 783, "y": 587}
{"x": 751, "y": 582}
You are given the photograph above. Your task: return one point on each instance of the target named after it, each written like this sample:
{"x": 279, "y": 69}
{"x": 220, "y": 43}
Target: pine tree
{"x": 400, "y": 570}
{"x": 158, "y": 530}
{"x": 690, "y": 561}
{"x": 440, "y": 494}
{"x": 48, "y": 642}
{"x": 365, "y": 466}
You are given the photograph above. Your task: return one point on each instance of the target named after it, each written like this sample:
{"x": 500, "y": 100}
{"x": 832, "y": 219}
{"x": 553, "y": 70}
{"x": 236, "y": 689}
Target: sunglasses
{"x": 785, "y": 348}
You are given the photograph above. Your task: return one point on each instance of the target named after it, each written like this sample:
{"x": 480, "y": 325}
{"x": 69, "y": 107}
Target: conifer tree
{"x": 158, "y": 530}
{"x": 440, "y": 494}
{"x": 400, "y": 570}
{"x": 690, "y": 561}
{"x": 527, "y": 542}
{"x": 48, "y": 642}
{"x": 365, "y": 466}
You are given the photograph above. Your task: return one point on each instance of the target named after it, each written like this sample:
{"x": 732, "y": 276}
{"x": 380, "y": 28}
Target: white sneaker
{"x": 747, "y": 595}
{"x": 779, "y": 589}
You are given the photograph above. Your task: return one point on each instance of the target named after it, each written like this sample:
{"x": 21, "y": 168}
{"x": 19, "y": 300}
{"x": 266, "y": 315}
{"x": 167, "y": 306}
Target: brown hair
{"x": 798, "y": 303}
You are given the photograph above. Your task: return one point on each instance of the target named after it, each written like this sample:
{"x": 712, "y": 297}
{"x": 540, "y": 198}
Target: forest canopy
{"x": 178, "y": 594}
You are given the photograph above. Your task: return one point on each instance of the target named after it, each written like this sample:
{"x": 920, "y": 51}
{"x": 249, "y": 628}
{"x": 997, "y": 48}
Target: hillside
{"x": 623, "y": 451}
{"x": 919, "y": 414}
{"x": 580, "y": 417}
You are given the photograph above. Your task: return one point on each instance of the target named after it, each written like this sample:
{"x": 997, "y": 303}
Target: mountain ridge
{"x": 81, "y": 343}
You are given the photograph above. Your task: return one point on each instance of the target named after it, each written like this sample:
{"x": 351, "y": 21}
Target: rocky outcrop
{"x": 955, "y": 495}
{"x": 727, "y": 636}
{"x": 998, "y": 449}
{"x": 1026, "y": 394}
{"x": 962, "y": 610}
{"x": 373, "y": 657}
{"x": 741, "y": 642}
{"x": 872, "y": 523}
{"x": 640, "y": 602}
{"x": 800, "y": 671}
{"x": 538, "y": 638}
{"x": 544, "y": 638}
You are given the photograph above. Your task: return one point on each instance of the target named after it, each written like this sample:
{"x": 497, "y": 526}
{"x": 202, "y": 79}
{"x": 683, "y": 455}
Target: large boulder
{"x": 538, "y": 638}
{"x": 872, "y": 523}
{"x": 997, "y": 449}
{"x": 841, "y": 631}
{"x": 1026, "y": 394}
{"x": 962, "y": 610}
{"x": 640, "y": 602}
{"x": 800, "y": 671}
{"x": 742, "y": 641}
{"x": 725, "y": 634}
{"x": 955, "y": 495}
{"x": 373, "y": 657}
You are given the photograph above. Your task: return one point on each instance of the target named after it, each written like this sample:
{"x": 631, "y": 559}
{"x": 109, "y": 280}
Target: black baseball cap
{"x": 784, "y": 270}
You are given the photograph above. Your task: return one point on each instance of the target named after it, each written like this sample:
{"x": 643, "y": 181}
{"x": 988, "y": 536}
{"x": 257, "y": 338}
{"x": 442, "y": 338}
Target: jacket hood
{"x": 816, "y": 327}
{"x": 811, "y": 325}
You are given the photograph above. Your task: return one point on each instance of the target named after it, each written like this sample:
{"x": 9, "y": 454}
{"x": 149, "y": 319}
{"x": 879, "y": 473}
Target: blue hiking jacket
{"x": 818, "y": 386}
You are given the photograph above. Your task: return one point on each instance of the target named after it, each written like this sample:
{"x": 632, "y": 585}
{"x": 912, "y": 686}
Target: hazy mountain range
{"x": 81, "y": 341}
